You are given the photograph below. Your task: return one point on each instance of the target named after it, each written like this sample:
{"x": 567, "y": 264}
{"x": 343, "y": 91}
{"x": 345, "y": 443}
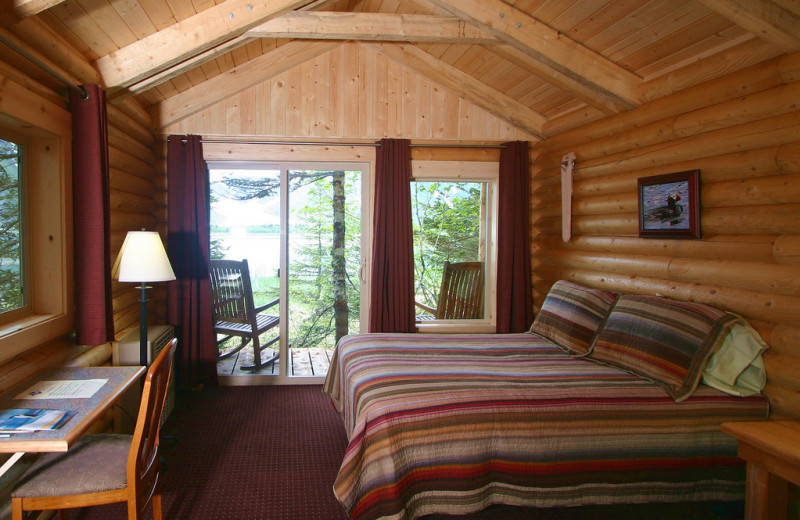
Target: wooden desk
{"x": 772, "y": 452}
{"x": 88, "y": 410}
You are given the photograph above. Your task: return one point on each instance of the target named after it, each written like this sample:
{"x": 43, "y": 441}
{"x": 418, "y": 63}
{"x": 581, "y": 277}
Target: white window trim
{"x": 478, "y": 171}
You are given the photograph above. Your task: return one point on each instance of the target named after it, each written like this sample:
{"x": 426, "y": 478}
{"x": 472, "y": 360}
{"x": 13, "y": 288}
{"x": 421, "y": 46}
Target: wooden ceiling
{"x": 543, "y": 65}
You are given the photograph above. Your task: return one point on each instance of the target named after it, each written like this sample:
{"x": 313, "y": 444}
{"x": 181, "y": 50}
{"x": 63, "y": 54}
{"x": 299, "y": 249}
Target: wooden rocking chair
{"x": 234, "y": 312}
{"x": 461, "y": 293}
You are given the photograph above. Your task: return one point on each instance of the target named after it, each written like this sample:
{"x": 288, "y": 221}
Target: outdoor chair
{"x": 104, "y": 468}
{"x": 235, "y": 314}
{"x": 461, "y": 293}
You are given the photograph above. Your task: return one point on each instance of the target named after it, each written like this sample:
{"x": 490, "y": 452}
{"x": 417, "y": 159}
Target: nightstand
{"x": 772, "y": 452}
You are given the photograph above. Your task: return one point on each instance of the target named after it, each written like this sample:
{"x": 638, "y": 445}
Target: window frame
{"x": 283, "y": 166}
{"x": 48, "y": 313}
{"x": 468, "y": 171}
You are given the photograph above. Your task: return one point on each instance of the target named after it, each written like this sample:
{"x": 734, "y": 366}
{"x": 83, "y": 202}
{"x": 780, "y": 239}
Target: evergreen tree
{"x": 11, "y": 262}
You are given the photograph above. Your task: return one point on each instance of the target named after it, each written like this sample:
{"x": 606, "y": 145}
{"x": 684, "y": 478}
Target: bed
{"x": 455, "y": 423}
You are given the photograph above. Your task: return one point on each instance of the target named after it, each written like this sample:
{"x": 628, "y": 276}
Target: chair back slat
{"x": 143, "y": 462}
{"x": 461, "y": 293}
{"x": 231, "y": 291}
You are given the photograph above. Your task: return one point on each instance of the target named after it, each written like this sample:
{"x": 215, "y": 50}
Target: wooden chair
{"x": 234, "y": 312}
{"x": 104, "y": 468}
{"x": 461, "y": 293}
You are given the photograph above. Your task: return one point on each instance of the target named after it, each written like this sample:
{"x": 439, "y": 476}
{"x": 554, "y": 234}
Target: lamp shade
{"x": 142, "y": 259}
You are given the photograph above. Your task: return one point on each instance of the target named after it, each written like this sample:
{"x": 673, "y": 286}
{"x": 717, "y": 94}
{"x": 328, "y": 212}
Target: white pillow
{"x": 737, "y": 367}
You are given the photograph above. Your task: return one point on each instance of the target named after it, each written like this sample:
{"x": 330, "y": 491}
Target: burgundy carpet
{"x": 272, "y": 453}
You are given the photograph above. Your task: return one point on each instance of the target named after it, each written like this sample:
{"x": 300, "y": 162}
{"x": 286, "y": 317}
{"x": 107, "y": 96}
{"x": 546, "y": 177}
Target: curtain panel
{"x": 514, "y": 289}
{"x": 392, "y": 291}
{"x": 188, "y": 248}
{"x": 91, "y": 236}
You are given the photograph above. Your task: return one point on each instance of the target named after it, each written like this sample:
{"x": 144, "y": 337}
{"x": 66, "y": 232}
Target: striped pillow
{"x": 666, "y": 341}
{"x": 571, "y": 315}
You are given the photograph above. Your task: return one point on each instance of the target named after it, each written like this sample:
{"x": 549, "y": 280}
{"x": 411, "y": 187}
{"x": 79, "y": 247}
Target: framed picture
{"x": 669, "y": 205}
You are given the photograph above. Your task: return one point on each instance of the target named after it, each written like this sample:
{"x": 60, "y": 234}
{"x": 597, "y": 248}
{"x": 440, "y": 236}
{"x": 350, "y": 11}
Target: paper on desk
{"x": 67, "y": 389}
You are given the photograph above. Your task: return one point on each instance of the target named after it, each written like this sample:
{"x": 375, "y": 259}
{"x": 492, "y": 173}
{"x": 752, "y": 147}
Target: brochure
{"x": 69, "y": 389}
{"x": 17, "y": 420}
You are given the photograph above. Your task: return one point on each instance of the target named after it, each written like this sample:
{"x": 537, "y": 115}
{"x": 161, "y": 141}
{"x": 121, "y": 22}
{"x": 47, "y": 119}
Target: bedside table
{"x": 772, "y": 452}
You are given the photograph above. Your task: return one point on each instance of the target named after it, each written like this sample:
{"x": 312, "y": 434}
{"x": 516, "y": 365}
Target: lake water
{"x": 262, "y": 250}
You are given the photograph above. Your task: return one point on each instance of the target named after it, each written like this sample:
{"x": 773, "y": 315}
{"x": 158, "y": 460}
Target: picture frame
{"x": 669, "y": 205}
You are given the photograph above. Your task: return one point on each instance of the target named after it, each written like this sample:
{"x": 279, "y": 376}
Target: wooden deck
{"x": 305, "y": 362}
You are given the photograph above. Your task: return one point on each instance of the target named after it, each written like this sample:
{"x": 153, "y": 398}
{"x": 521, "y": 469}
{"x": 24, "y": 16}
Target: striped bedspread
{"x": 455, "y": 423}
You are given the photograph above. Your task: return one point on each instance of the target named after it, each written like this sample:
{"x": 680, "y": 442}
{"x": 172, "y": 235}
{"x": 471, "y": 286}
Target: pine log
{"x": 787, "y": 249}
{"x": 124, "y": 161}
{"x": 127, "y": 201}
{"x": 784, "y": 402}
{"x": 751, "y": 220}
{"x": 618, "y": 224}
{"x": 749, "y": 304}
{"x": 769, "y": 278}
{"x": 571, "y": 120}
{"x": 784, "y": 338}
{"x": 771, "y": 103}
{"x": 95, "y": 356}
{"x": 127, "y": 220}
{"x": 123, "y": 141}
{"x": 776, "y": 219}
{"x": 134, "y": 109}
{"x": 73, "y": 65}
{"x": 784, "y": 129}
{"x": 125, "y": 123}
{"x": 129, "y": 183}
{"x": 763, "y": 76}
{"x": 783, "y": 370}
{"x": 776, "y": 189}
{"x": 745, "y": 248}
{"x": 9, "y": 72}
{"x": 760, "y": 162}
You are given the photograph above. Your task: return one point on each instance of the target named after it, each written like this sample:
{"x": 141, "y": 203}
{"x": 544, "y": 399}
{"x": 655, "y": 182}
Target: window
{"x": 36, "y": 260}
{"x": 12, "y": 261}
{"x": 453, "y": 206}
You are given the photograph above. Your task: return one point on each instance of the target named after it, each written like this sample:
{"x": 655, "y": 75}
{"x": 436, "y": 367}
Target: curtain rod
{"x": 33, "y": 59}
{"x": 298, "y": 143}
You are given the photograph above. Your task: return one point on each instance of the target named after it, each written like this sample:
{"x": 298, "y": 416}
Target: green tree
{"x": 446, "y": 227}
{"x": 11, "y": 264}
{"x": 323, "y": 271}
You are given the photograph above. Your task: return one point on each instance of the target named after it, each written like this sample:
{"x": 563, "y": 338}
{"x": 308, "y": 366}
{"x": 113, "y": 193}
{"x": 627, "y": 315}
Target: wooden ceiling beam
{"x": 548, "y": 45}
{"x": 253, "y": 72}
{"x": 26, "y": 8}
{"x": 466, "y": 86}
{"x": 599, "y": 99}
{"x": 187, "y": 38}
{"x": 155, "y": 80}
{"x": 372, "y": 26}
{"x": 768, "y": 20}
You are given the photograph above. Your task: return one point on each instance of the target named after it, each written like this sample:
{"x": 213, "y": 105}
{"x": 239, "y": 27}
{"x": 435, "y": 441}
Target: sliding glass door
{"x": 300, "y": 227}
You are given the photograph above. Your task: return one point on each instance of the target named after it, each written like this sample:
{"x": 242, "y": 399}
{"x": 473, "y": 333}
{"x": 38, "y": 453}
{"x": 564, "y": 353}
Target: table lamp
{"x": 142, "y": 259}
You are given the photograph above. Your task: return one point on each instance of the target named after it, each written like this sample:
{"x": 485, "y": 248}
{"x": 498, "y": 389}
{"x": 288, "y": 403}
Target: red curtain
{"x": 94, "y": 314}
{"x": 514, "y": 289}
{"x": 189, "y": 297}
{"x": 392, "y": 292}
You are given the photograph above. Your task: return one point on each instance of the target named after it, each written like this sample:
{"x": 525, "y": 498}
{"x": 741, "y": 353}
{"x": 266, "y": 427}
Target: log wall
{"x": 743, "y": 132}
{"x": 136, "y": 187}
